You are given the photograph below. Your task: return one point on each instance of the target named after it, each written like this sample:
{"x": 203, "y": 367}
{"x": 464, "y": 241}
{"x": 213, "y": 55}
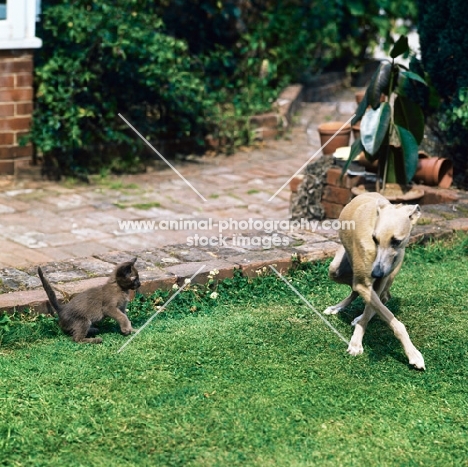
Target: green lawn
{"x": 250, "y": 378}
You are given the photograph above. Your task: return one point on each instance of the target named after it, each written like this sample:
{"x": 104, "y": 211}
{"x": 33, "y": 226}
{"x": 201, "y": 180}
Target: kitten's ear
{"x": 125, "y": 269}
{"x": 134, "y": 260}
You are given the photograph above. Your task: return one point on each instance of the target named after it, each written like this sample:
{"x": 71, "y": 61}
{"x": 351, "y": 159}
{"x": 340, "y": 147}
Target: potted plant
{"x": 392, "y": 125}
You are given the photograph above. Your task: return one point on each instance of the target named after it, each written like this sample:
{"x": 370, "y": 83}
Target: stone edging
{"x": 161, "y": 269}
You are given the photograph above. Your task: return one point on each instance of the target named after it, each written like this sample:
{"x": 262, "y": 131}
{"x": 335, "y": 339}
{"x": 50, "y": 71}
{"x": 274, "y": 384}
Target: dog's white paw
{"x": 417, "y": 361}
{"x": 332, "y": 310}
{"x": 356, "y": 320}
{"x": 355, "y": 349}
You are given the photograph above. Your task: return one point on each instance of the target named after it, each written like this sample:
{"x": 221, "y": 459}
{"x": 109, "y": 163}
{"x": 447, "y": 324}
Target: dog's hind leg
{"x": 340, "y": 271}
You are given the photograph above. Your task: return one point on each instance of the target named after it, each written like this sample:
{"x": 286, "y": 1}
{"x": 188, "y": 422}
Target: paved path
{"x": 42, "y": 222}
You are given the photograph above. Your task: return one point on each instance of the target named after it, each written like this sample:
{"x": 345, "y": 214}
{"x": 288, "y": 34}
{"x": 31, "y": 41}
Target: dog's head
{"x": 391, "y": 235}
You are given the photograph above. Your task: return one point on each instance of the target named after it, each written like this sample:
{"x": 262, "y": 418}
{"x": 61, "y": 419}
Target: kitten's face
{"x": 127, "y": 276}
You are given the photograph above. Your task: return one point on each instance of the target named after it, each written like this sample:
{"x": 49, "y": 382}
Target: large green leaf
{"x": 374, "y": 127}
{"x": 401, "y": 47}
{"x": 409, "y": 115}
{"x": 413, "y": 76}
{"x": 356, "y": 149}
{"x": 410, "y": 151}
{"x": 379, "y": 84}
{"x": 360, "y": 110}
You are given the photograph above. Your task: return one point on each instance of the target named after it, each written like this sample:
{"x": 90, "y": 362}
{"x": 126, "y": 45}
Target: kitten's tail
{"x": 49, "y": 291}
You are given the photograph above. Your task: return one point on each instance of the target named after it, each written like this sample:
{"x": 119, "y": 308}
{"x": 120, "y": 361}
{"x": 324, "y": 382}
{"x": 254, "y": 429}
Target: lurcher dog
{"x": 370, "y": 258}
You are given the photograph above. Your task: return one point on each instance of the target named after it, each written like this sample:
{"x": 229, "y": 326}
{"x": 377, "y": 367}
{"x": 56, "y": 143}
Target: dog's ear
{"x": 414, "y": 213}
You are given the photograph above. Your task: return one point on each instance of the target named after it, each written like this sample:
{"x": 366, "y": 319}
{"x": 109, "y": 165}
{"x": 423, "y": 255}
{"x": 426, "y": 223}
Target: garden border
{"x": 162, "y": 268}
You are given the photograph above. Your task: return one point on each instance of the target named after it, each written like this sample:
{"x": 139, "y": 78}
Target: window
{"x": 2, "y": 9}
{"x": 18, "y": 24}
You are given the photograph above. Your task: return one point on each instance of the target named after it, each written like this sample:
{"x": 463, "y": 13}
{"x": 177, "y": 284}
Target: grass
{"x": 146, "y": 206}
{"x": 249, "y": 377}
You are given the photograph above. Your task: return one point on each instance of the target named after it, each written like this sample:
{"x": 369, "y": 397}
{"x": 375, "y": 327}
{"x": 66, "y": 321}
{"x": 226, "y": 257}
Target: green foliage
{"x": 442, "y": 29}
{"x": 391, "y": 130}
{"x": 181, "y": 70}
{"x": 102, "y": 59}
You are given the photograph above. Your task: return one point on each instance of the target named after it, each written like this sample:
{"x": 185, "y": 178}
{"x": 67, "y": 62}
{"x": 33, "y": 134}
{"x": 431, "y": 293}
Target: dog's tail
{"x": 49, "y": 291}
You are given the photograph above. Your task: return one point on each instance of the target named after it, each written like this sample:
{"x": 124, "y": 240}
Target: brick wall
{"x": 16, "y": 105}
{"x": 337, "y": 191}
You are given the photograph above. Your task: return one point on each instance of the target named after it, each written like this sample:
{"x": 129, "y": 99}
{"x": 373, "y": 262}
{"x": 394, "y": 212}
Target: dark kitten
{"x": 77, "y": 316}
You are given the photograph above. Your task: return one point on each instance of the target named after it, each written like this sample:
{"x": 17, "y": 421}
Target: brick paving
{"x": 45, "y": 221}
{"x": 73, "y": 230}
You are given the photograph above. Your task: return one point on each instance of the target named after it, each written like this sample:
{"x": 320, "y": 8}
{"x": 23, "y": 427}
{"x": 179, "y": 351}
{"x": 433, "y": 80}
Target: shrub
{"x": 442, "y": 30}
{"x": 181, "y": 69}
{"x": 102, "y": 59}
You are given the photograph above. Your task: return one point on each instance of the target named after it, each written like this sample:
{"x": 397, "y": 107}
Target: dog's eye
{"x": 396, "y": 242}
{"x": 376, "y": 240}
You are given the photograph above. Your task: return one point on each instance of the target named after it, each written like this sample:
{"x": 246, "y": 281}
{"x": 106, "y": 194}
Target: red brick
{"x": 337, "y": 195}
{"x": 24, "y": 108}
{"x": 332, "y": 210}
{"x": 458, "y": 224}
{"x": 16, "y": 152}
{"x": 435, "y": 195}
{"x": 255, "y": 268}
{"x": 269, "y": 133}
{"x": 269, "y": 120}
{"x": 25, "y": 300}
{"x": 15, "y": 123}
{"x": 334, "y": 178}
{"x": 16, "y": 95}
{"x": 252, "y": 263}
{"x": 24, "y": 80}
{"x": 22, "y": 164}
{"x": 23, "y": 152}
{"x": 156, "y": 279}
{"x": 7, "y": 168}
{"x": 7, "y": 110}
{"x": 7, "y": 139}
{"x": 7, "y": 81}
{"x": 295, "y": 182}
{"x": 186, "y": 270}
{"x": 6, "y": 152}
{"x": 16, "y": 66}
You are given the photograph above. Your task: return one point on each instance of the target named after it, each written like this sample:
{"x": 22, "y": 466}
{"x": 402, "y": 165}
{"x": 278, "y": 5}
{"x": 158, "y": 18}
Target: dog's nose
{"x": 377, "y": 272}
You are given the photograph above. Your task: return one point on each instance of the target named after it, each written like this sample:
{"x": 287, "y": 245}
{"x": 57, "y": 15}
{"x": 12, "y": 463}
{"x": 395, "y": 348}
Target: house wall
{"x": 16, "y": 106}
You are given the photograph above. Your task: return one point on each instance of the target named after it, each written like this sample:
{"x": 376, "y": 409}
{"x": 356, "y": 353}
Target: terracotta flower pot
{"x": 434, "y": 171}
{"x": 359, "y": 96}
{"x": 327, "y": 130}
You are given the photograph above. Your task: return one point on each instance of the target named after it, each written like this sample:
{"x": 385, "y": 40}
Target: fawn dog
{"x": 369, "y": 260}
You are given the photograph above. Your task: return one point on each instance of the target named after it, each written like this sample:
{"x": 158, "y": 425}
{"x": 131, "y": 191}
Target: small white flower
{"x": 175, "y": 287}
{"x": 214, "y": 295}
{"x": 187, "y": 281}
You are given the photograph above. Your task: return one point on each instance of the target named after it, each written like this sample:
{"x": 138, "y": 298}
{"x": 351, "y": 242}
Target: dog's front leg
{"x": 371, "y": 298}
{"x": 360, "y": 323}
